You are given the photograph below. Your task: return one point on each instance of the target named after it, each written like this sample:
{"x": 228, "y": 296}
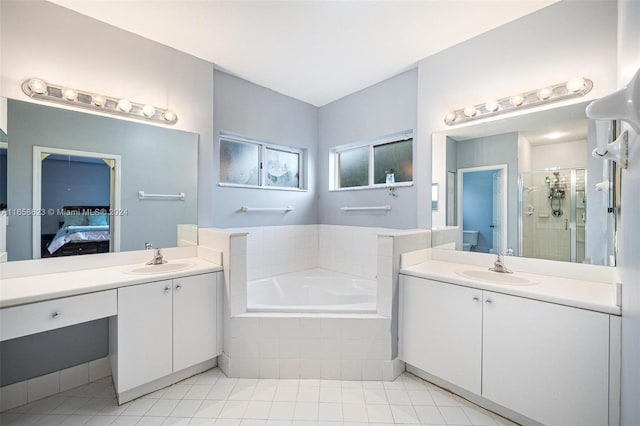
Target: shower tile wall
{"x": 546, "y": 236}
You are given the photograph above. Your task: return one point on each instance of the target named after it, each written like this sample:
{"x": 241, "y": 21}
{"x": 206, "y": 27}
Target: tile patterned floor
{"x": 211, "y": 398}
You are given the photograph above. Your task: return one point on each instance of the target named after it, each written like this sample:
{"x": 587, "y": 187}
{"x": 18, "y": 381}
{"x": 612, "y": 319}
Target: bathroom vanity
{"x": 535, "y": 348}
{"x": 165, "y": 324}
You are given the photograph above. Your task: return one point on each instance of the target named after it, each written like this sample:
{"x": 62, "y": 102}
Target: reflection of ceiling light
{"x": 555, "y": 135}
{"x": 516, "y": 100}
{"x": 70, "y": 95}
{"x": 492, "y": 106}
{"x": 470, "y": 111}
{"x": 572, "y": 88}
{"x": 39, "y": 89}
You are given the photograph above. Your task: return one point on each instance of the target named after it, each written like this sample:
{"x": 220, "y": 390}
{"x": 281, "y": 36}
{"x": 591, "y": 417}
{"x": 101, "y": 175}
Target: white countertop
{"x": 37, "y": 288}
{"x": 594, "y": 296}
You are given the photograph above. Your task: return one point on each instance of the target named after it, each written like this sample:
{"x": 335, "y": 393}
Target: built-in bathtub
{"x": 312, "y": 290}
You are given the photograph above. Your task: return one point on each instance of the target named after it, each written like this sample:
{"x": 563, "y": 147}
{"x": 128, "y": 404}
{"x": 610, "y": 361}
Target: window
{"x": 367, "y": 165}
{"x": 246, "y": 162}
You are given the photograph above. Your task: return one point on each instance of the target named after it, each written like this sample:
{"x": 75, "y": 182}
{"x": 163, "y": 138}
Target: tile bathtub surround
{"x": 211, "y": 398}
{"x": 339, "y": 347}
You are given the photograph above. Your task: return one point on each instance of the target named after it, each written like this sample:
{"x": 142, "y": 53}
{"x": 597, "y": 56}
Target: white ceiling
{"x": 315, "y": 51}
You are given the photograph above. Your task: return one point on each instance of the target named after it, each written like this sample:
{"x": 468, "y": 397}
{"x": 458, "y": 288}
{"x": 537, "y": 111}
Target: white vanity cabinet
{"x": 441, "y": 330}
{"x": 545, "y": 361}
{"x": 162, "y": 328}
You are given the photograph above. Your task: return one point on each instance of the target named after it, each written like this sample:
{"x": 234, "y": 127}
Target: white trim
{"x": 503, "y": 226}
{"x": 37, "y": 193}
{"x": 262, "y": 155}
{"x": 4, "y": 145}
{"x": 375, "y": 186}
{"x": 334, "y": 156}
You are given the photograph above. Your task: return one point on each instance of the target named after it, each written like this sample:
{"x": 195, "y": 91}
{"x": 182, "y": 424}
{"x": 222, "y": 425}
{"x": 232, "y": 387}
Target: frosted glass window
{"x": 283, "y": 168}
{"x": 239, "y": 163}
{"x": 395, "y": 155}
{"x": 353, "y": 167}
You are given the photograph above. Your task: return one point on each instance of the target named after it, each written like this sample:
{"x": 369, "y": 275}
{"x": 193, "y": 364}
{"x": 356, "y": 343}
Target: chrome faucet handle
{"x": 148, "y": 246}
{"x": 498, "y": 265}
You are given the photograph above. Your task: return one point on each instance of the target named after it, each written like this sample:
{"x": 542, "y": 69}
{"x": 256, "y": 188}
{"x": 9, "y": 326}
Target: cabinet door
{"x": 441, "y": 330}
{"x": 194, "y": 320}
{"x": 144, "y": 334}
{"x": 546, "y": 361}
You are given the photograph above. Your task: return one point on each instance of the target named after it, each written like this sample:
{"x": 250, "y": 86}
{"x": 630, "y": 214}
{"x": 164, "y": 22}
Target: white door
{"x": 441, "y": 330}
{"x": 194, "y": 320}
{"x": 548, "y": 362}
{"x": 144, "y": 334}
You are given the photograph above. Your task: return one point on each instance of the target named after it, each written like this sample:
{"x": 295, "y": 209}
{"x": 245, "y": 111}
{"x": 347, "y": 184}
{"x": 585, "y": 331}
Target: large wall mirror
{"x": 73, "y": 183}
{"x": 526, "y": 186}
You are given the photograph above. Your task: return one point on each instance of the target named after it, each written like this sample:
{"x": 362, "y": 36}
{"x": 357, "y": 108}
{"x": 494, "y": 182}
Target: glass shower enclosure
{"x": 552, "y": 214}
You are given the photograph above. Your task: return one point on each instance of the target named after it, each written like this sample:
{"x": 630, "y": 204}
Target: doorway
{"x": 482, "y": 207}
{"x": 75, "y": 193}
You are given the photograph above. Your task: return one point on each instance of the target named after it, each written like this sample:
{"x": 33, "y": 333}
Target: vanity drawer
{"x": 33, "y": 318}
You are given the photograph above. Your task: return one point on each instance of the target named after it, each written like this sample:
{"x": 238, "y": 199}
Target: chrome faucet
{"x": 148, "y": 246}
{"x": 498, "y": 265}
{"x": 157, "y": 258}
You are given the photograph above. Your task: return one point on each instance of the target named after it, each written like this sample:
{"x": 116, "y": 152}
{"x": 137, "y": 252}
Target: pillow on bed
{"x": 75, "y": 220}
{"x": 98, "y": 220}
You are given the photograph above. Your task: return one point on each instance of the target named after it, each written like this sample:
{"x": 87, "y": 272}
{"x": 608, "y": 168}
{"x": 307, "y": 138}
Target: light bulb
{"x": 70, "y": 95}
{"x": 148, "y": 111}
{"x": 37, "y": 86}
{"x": 450, "y": 118}
{"x": 98, "y": 100}
{"x": 516, "y": 100}
{"x": 169, "y": 116}
{"x": 544, "y": 93}
{"x": 492, "y": 106}
{"x": 575, "y": 84}
{"x": 469, "y": 111}
{"x": 124, "y": 105}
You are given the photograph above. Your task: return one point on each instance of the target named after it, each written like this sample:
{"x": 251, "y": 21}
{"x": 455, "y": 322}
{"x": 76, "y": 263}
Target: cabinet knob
{"x": 488, "y": 301}
{"x": 55, "y": 315}
{"x": 476, "y": 299}
{"x": 178, "y": 286}
{"x": 167, "y": 289}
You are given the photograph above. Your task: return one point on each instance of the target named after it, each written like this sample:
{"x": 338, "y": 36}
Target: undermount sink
{"x": 495, "y": 277}
{"x": 159, "y": 269}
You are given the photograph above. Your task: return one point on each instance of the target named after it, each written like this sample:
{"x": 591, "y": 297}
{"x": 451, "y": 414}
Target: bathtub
{"x": 313, "y": 290}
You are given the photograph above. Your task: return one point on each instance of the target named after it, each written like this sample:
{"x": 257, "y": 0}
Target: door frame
{"x": 504, "y": 168}
{"x": 114, "y": 219}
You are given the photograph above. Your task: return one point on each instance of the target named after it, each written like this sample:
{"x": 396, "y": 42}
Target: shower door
{"x": 552, "y": 214}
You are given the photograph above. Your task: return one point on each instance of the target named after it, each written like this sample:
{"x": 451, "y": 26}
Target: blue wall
{"x": 383, "y": 109}
{"x": 477, "y": 208}
{"x": 72, "y": 183}
{"x": 259, "y": 113}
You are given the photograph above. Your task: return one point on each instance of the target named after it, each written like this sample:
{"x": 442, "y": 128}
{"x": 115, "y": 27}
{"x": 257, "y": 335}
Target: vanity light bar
{"x": 39, "y": 89}
{"x": 572, "y": 88}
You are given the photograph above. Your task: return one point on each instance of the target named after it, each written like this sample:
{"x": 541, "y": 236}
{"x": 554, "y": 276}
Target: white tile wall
{"x": 348, "y": 347}
{"x": 37, "y": 388}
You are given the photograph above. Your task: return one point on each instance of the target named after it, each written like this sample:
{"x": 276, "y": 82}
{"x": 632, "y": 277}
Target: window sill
{"x": 379, "y": 186}
{"x": 272, "y": 188}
